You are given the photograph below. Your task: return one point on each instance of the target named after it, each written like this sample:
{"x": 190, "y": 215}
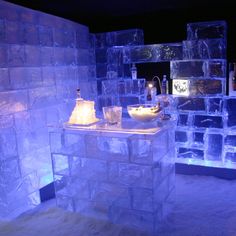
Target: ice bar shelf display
{"x": 206, "y": 131}
{"x": 121, "y": 174}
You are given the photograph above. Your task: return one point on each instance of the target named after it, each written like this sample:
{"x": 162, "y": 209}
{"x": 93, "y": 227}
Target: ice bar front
{"x": 122, "y": 174}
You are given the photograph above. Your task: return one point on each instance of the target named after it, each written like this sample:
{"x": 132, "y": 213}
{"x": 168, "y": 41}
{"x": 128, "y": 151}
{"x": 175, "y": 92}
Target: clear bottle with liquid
{"x": 164, "y": 85}
{"x": 79, "y": 95}
{"x": 133, "y": 71}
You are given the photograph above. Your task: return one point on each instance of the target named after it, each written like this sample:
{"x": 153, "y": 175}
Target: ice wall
{"x": 43, "y": 59}
{"x": 206, "y": 116}
{"x": 113, "y": 76}
{"x": 205, "y": 122}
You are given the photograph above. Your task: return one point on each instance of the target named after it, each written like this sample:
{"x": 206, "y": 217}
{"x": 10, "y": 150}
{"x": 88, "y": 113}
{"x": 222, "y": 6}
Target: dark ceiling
{"x": 88, "y": 10}
{"x": 116, "y": 8}
{"x": 161, "y": 20}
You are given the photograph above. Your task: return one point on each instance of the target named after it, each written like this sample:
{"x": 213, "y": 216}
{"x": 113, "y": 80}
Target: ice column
{"x": 199, "y": 82}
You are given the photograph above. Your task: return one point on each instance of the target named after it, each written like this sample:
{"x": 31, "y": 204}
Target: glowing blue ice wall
{"x": 206, "y": 117}
{"x": 205, "y": 133}
{"x": 43, "y": 59}
{"x": 109, "y": 56}
{"x": 113, "y": 76}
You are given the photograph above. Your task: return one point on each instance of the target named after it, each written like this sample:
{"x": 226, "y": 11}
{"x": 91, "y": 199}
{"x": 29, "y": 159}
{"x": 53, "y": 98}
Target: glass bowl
{"x": 144, "y": 112}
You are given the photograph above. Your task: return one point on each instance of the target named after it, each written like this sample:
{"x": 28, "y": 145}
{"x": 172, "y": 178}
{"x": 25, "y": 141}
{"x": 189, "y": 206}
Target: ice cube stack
{"x": 115, "y": 86}
{"x": 204, "y": 115}
{"x": 126, "y": 178}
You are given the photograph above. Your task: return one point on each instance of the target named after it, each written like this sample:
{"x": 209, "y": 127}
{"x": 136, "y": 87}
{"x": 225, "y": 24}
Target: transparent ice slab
{"x": 198, "y": 87}
{"x": 207, "y": 30}
{"x": 119, "y": 38}
{"x": 153, "y": 53}
{"x": 125, "y": 174}
{"x": 190, "y": 153}
{"x": 215, "y": 105}
{"x": 230, "y": 110}
{"x": 207, "y": 121}
{"x": 214, "y": 146}
{"x": 190, "y": 104}
{"x": 204, "y": 49}
{"x": 198, "y": 68}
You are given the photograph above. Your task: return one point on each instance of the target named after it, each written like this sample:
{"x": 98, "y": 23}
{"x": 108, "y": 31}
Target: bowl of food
{"x": 144, "y": 112}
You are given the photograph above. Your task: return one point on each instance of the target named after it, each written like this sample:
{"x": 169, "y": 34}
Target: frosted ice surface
{"x": 214, "y": 145}
{"x": 204, "y": 121}
{"x": 131, "y": 100}
{"x": 8, "y": 143}
{"x": 198, "y": 87}
{"x": 230, "y": 156}
{"x": 107, "y": 100}
{"x": 204, "y": 49}
{"x": 139, "y": 203}
{"x": 230, "y": 140}
{"x": 207, "y": 30}
{"x": 215, "y": 105}
{"x": 119, "y": 38}
{"x": 198, "y": 139}
{"x": 108, "y": 193}
{"x": 107, "y": 146}
{"x": 141, "y": 150}
{"x": 110, "y": 87}
{"x": 60, "y": 164}
{"x": 93, "y": 169}
{"x": 198, "y": 68}
{"x": 181, "y": 136}
{"x": 190, "y": 103}
{"x": 131, "y": 174}
{"x": 182, "y": 120}
{"x": 190, "y": 153}
{"x": 230, "y": 109}
{"x": 152, "y": 53}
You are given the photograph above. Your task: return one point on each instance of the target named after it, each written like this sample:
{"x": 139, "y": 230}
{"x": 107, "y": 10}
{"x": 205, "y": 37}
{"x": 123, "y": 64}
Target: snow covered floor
{"x": 204, "y": 206}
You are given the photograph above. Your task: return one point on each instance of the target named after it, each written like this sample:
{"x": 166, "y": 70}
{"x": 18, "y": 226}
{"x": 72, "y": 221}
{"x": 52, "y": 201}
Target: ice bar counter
{"x": 124, "y": 174}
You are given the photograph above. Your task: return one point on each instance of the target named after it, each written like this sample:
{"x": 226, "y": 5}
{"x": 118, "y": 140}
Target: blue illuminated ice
{"x": 190, "y": 153}
{"x": 207, "y": 121}
{"x": 230, "y": 109}
{"x": 153, "y": 53}
{"x": 207, "y": 30}
{"x": 119, "y": 38}
{"x": 199, "y": 87}
{"x": 117, "y": 174}
{"x": 214, "y": 146}
{"x": 190, "y": 103}
{"x": 181, "y": 136}
{"x": 198, "y": 68}
{"x": 215, "y": 105}
{"x": 204, "y": 49}
{"x": 182, "y": 119}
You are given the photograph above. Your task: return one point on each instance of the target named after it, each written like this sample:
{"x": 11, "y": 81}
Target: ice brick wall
{"x": 152, "y": 53}
{"x": 199, "y": 83}
{"x": 122, "y": 177}
{"x": 109, "y": 52}
{"x": 111, "y": 71}
{"x": 43, "y": 59}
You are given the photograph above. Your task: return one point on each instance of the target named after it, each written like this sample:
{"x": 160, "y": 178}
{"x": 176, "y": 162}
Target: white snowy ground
{"x": 204, "y": 206}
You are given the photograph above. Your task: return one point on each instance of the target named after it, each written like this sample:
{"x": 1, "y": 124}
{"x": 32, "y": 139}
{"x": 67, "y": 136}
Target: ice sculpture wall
{"x": 206, "y": 116}
{"x": 113, "y": 76}
{"x": 43, "y": 59}
{"x": 199, "y": 80}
